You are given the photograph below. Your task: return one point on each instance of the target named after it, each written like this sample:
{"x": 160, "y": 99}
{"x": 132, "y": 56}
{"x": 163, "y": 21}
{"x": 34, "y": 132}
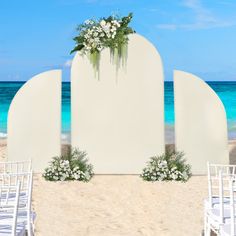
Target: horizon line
{"x": 23, "y": 81}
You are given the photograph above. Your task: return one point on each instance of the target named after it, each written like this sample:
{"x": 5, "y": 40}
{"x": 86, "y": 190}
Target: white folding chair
{"x": 213, "y": 184}
{"x": 24, "y": 214}
{"x": 217, "y": 206}
{"x": 9, "y": 224}
{"x": 228, "y": 228}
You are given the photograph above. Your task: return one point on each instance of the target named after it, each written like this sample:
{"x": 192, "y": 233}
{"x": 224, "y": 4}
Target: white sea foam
{"x": 65, "y": 137}
{"x": 3, "y": 135}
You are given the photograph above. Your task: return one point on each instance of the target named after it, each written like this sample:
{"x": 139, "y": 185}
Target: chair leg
{"x": 29, "y": 225}
{"x": 205, "y": 224}
{"x": 208, "y": 228}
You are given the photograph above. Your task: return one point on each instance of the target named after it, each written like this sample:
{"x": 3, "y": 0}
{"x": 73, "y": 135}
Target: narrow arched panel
{"x": 34, "y": 120}
{"x": 119, "y": 120}
{"x": 200, "y": 122}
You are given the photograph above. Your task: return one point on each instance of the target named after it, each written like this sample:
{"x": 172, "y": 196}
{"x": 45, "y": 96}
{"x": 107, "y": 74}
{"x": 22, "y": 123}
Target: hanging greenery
{"x": 111, "y": 32}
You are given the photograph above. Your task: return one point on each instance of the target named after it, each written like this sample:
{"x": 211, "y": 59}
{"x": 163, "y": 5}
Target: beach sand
{"x": 118, "y": 205}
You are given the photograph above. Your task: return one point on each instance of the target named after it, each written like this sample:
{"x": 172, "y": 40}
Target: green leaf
{"x": 77, "y": 48}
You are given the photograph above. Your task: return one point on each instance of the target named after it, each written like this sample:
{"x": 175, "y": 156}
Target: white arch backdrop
{"x": 119, "y": 122}
{"x": 34, "y": 120}
{"x": 200, "y": 122}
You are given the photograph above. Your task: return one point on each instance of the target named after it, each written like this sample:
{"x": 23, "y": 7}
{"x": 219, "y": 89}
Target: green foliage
{"x": 71, "y": 166}
{"x": 167, "y": 167}
{"x": 111, "y": 32}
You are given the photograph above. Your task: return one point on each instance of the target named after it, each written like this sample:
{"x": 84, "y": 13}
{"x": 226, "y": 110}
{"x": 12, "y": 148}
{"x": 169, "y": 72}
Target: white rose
{"x": 102, "y": 23}
{"x": 113, "y": 29}
{"x": 99, "y": 48}
{"x": 106, "y": 29}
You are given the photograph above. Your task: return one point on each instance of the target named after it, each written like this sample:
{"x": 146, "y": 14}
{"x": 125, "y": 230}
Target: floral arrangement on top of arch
{"x": 111, "y": 32}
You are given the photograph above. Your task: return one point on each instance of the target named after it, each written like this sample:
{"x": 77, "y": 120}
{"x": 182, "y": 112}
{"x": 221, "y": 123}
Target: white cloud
{"x": 203, "y": 18}
{"x": 68, "y": 63}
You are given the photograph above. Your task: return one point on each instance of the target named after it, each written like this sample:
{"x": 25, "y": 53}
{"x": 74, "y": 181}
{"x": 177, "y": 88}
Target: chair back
{"x": 13, "y": 203}
{"x": 232, "y": 205}
{"x": 214, "y": 183}
{"x": 15, "y": 167}
{"x": 26, "y": 180}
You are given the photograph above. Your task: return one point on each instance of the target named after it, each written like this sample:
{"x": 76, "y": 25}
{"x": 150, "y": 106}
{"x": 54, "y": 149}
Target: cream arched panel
{"x": 200, "y": 122}
{"x": 34, "y": 120}
{"x": 119, "y": 120}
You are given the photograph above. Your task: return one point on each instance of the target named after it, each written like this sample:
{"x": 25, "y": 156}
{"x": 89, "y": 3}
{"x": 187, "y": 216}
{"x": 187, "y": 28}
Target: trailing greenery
{"x": 71, "y": 166}
{"x": 167, "y": 167}
{"x": 110, "y": 32}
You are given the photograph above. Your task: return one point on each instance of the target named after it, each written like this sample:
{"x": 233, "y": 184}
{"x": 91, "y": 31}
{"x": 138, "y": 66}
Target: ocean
{"x": 225, "y": 90}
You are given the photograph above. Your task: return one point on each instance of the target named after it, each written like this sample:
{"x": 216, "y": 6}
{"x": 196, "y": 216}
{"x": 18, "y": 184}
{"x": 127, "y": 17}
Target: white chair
{"x": 228, "y": 228}
{"x": 9, "y": 224}
{"x": 25, "y": 214}
{"x": 213, "y": 184}
{"x": 216, "y": 206}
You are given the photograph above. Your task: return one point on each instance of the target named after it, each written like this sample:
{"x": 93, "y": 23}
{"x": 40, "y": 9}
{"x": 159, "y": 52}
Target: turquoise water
{"x": 9, "y": 89}
{"x": 225, "y": 90}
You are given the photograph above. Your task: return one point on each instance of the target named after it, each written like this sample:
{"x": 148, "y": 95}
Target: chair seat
{"x": 226, "y": 229}
{"x": 21, "y": 216}
{"x": 6, "y": 228}
{"x": 214, "y": 218}
{"x": 215, "y": 201}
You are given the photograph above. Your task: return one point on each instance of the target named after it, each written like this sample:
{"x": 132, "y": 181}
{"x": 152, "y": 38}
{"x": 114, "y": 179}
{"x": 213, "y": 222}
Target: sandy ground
{"x": 118, "y": 205}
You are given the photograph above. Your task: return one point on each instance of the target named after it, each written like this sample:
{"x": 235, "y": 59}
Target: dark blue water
{"x": 225, "y": 90}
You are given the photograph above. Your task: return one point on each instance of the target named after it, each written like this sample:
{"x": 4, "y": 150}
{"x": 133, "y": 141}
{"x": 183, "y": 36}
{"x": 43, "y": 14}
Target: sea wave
{"x": 3, "y": 135}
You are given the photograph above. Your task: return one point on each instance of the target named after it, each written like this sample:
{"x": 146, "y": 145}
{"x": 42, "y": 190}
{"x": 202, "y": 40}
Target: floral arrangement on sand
{"x": 72, "y": 166}
{"x": 110, "y": 32}
{"x": 167, "y": 167}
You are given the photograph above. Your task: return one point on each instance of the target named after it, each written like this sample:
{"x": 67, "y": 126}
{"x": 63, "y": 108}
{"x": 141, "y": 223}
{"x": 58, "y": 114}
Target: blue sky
{"x": 192, "y": 35}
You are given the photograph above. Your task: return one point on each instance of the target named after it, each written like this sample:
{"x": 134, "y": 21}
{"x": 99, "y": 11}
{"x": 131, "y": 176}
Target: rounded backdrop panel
{"x": 119, "y": 119}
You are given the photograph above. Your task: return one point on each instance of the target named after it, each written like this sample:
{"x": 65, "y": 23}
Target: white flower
{"x": 102, "y": 23}
{"x": 97, "y": 40}
{"x": 164, "y": 162}
{"x": 99, "y": 29}
{"x": 91, "y": 40}
{"x": 99, "y": 48}
{"x": 113, "y": 29}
